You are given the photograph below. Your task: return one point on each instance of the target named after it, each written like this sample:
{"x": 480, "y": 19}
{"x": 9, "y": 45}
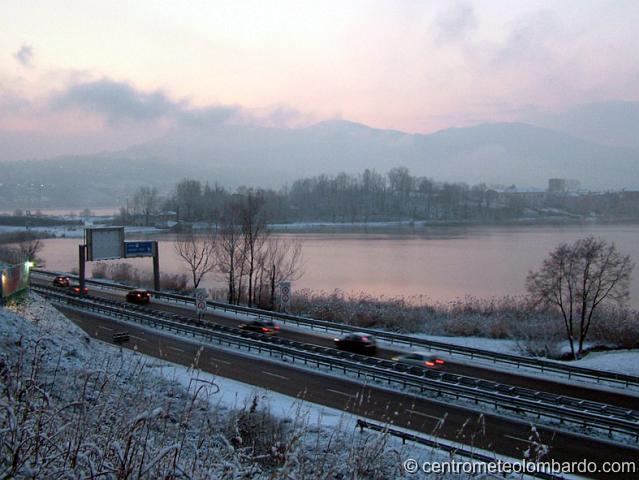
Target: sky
{"x": 87, "y": 75}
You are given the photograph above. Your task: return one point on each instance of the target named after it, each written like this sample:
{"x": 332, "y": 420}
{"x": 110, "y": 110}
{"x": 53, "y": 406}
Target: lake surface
{"x": 441, "y": 263}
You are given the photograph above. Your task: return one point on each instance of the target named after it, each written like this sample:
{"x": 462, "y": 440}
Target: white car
{"x": 423, "y": 359}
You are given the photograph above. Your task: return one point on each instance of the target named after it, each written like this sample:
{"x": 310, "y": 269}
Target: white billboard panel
{"x": 104, "y": 243}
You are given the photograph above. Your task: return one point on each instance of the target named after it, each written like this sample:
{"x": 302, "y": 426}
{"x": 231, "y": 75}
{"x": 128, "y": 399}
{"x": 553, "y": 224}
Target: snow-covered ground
{"x": 75, "y": 232}
{"x": 625, "y": 361}
{"x": 76, "y": 405}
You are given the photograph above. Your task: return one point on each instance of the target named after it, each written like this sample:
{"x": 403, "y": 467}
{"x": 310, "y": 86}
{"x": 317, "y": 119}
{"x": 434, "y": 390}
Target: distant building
{"x": 563, "y": 185}
{"x": 557, "y": 185}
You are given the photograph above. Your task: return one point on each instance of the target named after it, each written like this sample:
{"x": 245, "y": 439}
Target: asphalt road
{"x": 533, "y": 382}
{"x": 487, "y": 431}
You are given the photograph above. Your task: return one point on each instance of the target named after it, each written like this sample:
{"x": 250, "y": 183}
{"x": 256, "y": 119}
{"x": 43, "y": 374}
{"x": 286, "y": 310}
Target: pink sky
{"x": 129, "y": 70}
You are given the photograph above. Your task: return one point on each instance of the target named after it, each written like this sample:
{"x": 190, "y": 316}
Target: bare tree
{"x": 20, "y": 247}
{"x": 145, "y": 202}
{"x": 576, "y": 279}
{"x": 282, "y": 261}
{"x": 253, "y": 220}
{"x": 198, "y": 253}
{"x": 230, "y": 251}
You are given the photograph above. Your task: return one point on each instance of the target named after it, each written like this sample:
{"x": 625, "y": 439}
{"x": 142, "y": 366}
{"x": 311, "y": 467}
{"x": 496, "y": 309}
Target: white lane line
{"x": 215, "y": 360}
{"x": 138, "y": 338}
{"x": 525, "y": 440}
{"x": 177, "y": 349}
{"x": 274, "y": 375}
{"x": 340, "y": 393}
{"x": 423, "y": 414}
{"x": 105, "y": 328}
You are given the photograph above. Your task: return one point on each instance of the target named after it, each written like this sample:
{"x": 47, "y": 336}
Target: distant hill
{"x": 233, "y": 155}
{"x": 503, "y": 153}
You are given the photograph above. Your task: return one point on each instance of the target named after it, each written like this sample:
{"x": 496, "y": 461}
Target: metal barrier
{"x": 564, "y": 409}
{"x": 453, "y": 451}
{"x": 473, "y": 353}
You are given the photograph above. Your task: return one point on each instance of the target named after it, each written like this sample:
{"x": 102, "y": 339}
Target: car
{"x": 138, "y": 296}
{"x": 261, "y": 325}
{"x": 357, "y": 342}
{"x": 61, "y": 281}
{"x": 74, "y": 289}
{"x": 423, "y": 359}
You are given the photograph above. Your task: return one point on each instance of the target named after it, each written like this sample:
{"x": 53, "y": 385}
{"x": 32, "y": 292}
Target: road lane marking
{"x": 340, "y": 393}
{"x": 275, "y": 375}
{"x": 177, "y": 349}
{"x": 424, "y": 414}
{"x": 525, "y": 440}
{"x": 215, "y": 360}
{"x": 105, "y": 328}
{"x": 138, "y": 338}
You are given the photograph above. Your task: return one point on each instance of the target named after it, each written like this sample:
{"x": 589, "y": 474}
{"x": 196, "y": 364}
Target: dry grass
{"x": 537, "y": 331}
{"x": 129, "y": 275}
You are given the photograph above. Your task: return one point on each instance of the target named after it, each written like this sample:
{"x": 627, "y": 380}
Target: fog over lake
{"x": 442, "y": 263}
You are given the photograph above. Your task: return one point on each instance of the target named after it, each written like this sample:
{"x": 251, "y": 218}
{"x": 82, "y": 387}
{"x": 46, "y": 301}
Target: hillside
{"x": 233, "y": 155}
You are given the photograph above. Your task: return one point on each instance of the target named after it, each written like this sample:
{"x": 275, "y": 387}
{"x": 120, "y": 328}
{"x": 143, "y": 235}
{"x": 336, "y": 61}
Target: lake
{"x": 441, "y": 263}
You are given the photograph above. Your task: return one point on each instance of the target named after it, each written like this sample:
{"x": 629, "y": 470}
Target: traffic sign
{"x": 285, "y": 295}
{"x": 200, "y": 300}
{"x": 138, "y": 249}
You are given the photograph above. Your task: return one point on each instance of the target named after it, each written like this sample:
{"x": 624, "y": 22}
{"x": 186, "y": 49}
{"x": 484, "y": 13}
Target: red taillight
{"x": 430, "y": 364}
{"x": 265, "y": 330}
{"x": 439, "y": 362}
{"x": 277, "y": 327}
{"x": 365, "y": 339}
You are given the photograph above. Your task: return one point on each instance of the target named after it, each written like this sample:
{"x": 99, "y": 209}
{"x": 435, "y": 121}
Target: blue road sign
{"x": 138, "y": 249}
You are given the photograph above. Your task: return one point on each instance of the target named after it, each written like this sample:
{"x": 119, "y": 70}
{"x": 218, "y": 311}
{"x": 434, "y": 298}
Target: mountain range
{"x": 233, "y": 155}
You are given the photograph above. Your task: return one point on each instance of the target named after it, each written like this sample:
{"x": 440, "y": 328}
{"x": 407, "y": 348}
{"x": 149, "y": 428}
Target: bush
{"x": 127, "y": 274}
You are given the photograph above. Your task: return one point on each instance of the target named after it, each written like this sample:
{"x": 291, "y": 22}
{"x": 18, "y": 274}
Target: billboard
{"x": 104, "y": 243}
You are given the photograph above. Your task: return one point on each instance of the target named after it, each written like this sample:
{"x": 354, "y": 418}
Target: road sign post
{"x": 285, "y": 295}
{"x": 156, "y": 266}
{"x": 200, "y": 301}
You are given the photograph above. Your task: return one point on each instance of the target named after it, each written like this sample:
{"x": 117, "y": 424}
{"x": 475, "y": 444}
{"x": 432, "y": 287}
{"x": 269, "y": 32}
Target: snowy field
{"x": 75, "y": 407}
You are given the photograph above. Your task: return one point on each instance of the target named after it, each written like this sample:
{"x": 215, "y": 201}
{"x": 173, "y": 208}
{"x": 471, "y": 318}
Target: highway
{"x": 585, "y": 391}
{"x": 490, "y": 432}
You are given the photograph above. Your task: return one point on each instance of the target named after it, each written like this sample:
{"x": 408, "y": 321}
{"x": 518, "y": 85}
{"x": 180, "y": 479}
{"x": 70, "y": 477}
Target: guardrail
{"x": 586, "y": 414}
{"x": 452, "y": 450}
{"x": 394, "y": 338}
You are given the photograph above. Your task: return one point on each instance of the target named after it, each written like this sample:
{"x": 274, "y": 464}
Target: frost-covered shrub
{"x": 129, "y": 275}
{"x": 74, "y": 408}
{"x": 616, "y": 327}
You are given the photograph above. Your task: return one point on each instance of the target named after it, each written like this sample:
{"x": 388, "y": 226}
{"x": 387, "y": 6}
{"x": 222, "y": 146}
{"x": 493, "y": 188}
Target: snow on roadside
{"x": 117, "y": 396}
{"x": 625, "y": 361}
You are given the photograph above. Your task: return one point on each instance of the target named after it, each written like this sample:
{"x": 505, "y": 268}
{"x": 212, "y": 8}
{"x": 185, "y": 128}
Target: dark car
{"x": 421, "y": 358}
{"x": 357, "y": 342}
{"x": 61, "y": 281}
{"x": 262, "y": 326}
{"x": 74, "y": 289}
{"x": 138, "y": 296}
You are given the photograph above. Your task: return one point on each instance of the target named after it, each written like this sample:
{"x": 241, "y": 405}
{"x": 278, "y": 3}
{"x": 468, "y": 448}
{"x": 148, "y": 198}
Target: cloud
{"x": 454, "y": 23}
{"x": 120, "y": 102}
{"x": 12, "y": 103}
{"x": 116, "y": 101}
{"x": 24, "y": 56}
{"x": 529, "y": 39}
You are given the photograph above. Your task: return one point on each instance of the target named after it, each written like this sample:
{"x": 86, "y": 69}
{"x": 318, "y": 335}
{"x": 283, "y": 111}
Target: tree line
{"x": 369, "y": 196}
